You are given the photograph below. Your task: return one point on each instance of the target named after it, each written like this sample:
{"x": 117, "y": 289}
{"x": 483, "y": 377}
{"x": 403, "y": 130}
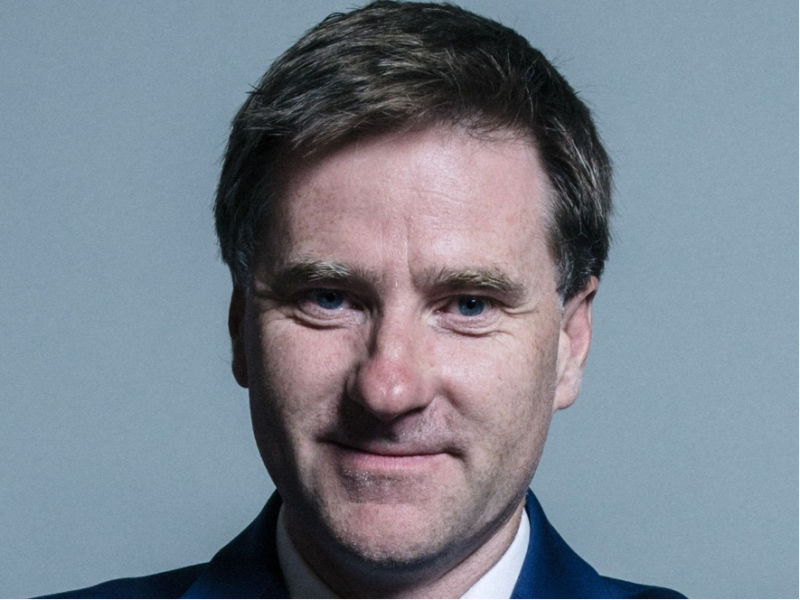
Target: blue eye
{"x": 470, "y": 306}
{"x": 329, "y": 299}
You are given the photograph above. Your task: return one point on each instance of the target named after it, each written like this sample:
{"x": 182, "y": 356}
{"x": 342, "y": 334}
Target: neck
{"x": 448, "y": 575}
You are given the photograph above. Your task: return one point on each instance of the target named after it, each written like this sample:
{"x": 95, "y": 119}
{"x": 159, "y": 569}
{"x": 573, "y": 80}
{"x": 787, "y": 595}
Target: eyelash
{"x": 450, "y": 318}
{"x": 448, "y": 310}
{"x": 312, "y": 298}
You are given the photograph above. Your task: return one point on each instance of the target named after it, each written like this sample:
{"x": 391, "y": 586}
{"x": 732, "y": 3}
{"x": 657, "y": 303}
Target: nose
{"x": 393, "y": 378}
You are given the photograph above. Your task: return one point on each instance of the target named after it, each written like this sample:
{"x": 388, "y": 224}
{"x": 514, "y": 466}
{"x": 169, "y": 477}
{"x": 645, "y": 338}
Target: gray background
{"x": 125, "y": 442}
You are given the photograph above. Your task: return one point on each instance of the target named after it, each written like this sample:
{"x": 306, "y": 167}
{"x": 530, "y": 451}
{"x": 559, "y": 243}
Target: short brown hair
{"x": 393, "y": 65}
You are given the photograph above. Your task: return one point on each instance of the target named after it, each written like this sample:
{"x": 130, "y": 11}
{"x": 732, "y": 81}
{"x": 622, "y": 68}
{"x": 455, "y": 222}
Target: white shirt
{"x": 498, "y": 582}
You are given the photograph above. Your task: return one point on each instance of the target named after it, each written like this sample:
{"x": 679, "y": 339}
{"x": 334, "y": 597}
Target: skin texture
{"x": 405, "y": 348}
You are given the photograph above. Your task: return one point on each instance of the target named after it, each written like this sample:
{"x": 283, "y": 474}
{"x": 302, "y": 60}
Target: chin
{"x": 392, "y": 536}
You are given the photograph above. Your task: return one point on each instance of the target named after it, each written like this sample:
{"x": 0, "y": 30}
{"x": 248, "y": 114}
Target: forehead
{"x": 438, "y": 198}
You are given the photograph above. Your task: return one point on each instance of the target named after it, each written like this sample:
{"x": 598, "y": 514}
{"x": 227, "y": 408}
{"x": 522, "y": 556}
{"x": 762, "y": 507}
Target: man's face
{"x": 405, "y": 346}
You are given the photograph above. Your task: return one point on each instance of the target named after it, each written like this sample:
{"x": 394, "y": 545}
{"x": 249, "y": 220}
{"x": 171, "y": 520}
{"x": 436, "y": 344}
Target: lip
{"x": 386, "y": 459}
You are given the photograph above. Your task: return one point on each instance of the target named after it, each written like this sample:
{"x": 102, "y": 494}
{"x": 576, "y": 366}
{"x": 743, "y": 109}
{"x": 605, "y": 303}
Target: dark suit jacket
{"x": 248, "y": 568}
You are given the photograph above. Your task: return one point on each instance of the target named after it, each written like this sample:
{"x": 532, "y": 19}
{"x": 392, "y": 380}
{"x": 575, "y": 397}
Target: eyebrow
{"x": 492, "y": 280}
{"x": 306, "y": 271}
{"x": 476, "y": 279}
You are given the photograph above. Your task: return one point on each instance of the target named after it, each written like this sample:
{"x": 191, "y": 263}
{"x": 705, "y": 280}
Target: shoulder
{"x": 553, "y": 570}
{"x": 169, "y": 584}
{"x": 247, "y": 567}
{"x": 617, "y": 588}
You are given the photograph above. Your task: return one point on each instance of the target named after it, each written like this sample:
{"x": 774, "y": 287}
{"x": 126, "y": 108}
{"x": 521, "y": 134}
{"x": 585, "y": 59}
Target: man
{"x": 414, "y": 208}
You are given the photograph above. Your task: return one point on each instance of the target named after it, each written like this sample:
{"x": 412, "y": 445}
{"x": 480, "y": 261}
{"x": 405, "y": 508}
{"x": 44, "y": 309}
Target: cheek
{"x": 503, "y": 370}
{"x": 503, "y": 388}
{"x": 299, "y": 373}
{"x": 295, "y": 385}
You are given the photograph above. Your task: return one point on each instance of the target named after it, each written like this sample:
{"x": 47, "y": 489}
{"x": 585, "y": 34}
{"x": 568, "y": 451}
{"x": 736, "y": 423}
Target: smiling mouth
{"x": 386, "y": 460}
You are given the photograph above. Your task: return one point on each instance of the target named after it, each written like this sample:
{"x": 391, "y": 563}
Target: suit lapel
{"x": 551, "y": 569}
{"x": 248, "y": 566}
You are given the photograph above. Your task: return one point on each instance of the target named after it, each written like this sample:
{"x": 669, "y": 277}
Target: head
{"x": 414, "y": 208}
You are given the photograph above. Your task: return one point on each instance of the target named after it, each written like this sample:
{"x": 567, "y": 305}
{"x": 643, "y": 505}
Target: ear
{"x": 573, "y": 345}
{"x": 236, "y": 329}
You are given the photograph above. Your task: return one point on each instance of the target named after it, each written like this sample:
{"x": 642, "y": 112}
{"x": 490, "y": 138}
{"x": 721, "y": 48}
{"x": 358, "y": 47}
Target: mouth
{"x": 389, "y": 459}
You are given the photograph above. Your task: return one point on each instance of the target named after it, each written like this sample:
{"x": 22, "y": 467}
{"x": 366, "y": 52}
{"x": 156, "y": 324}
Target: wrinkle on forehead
{"x": 433, "y": 199}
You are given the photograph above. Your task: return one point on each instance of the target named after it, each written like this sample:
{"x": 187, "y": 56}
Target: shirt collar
{"x": 301, "y": 580}
{"x": 499, "y": 581}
